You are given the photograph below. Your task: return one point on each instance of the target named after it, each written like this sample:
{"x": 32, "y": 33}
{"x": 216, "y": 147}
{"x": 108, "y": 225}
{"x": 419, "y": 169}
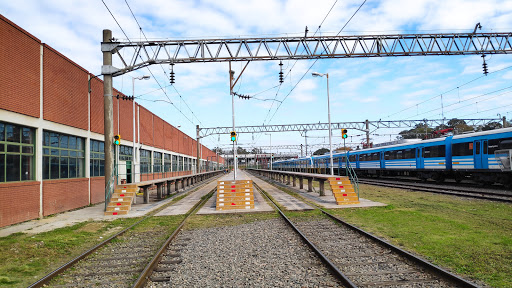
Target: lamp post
{"x": 316, "y": 74}
{"x": 270, "y": 149}
{"x": 145, "y": 77}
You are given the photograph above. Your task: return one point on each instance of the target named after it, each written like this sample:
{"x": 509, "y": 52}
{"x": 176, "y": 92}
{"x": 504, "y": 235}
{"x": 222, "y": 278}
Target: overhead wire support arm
{"x": 361, "y": 126}
{"x": 315, "y": 47}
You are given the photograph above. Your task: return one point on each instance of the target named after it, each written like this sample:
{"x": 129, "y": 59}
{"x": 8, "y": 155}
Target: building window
{"x": 97, "y": 164}
{"x": 180, "y": 163}
{"x": 16, "y": 153}
{"x": 186, "y": 164}
{"x": 63, "y": 156}
{"x": 167, "y": 163}
{"x": 174, "y": 163}
{"x": 145, "y": 161}
{"x": 157, "y": 162}
{"x": 125, "y": 153}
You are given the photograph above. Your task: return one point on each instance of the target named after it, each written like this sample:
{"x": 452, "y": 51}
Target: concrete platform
{"x": 286, "y": 200}
{"x": 326, "y": 201}
{"x": 260, "y": 205}
{"x": 92, "y": 213}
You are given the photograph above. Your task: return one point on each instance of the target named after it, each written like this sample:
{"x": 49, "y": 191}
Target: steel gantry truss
{"x": 146, "y": 53}
{"x": 364, "y": 126}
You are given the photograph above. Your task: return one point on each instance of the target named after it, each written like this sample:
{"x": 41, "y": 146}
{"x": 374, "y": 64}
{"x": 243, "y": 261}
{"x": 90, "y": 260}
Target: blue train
{"x": 480, "y": 156}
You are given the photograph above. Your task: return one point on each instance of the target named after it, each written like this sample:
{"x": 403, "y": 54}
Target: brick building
{"x": 51, "y": 133}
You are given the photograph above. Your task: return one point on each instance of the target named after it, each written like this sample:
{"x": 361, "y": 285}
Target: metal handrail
{"x": 352, "y": 176}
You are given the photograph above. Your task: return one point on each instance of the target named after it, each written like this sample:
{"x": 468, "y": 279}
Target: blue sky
{"x": 393, "y": 88}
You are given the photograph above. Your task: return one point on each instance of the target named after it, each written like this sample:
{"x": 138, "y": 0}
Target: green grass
{"x": 26, "y": 258}
{"x": 469, "y": 237}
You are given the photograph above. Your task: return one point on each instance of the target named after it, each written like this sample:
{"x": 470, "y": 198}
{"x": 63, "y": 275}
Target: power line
{"x": 466, "y": 100}
{"x": 446, "y": 92}
{"x": 165, "y": 73}
{"x": 289, "y": 71}
{"x": 316, "y": 60}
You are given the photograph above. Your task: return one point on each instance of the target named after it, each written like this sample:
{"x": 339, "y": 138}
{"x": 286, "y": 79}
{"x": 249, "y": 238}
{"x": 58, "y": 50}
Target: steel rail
{"x": 410, "y": 256}
{"x": 48, "y": 277}
{"x": 460, "y": 193}
{"x": 322, "y": 257}
{"x": 43, "y": 281}
{"x": 400, "y": 251}
{"x": 148, "y": 270}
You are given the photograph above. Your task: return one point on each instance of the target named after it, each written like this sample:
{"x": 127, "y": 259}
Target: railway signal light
{"x": 117, "y": 139}
{"x": 233, "y": 136}
{"x": 344, "y": 133}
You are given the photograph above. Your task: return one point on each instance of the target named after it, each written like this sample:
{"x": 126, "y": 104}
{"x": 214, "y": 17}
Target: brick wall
{"x": 97, "y": 111}
{"x": 19, "y": 202}
{"x": 97, "y": 190}
{"x": 146, "y": 126}
{"x": 158, "y": 125}
{"x": 126, "y": 119}
{"x": 63, "y": 195}
{"x": 168, "y": 137}
{"x": 20, "y": 69}
{"x": 64, "y": 90}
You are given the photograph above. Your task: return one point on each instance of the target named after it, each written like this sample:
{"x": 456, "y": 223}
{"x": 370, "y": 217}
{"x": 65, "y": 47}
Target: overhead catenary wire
{"x": 161, "y": 88}
{"x": 316, "y": 61}
{"x": 472, "y": 98}
{"x": 446, "y": 92}
{"x": 290, "y": 70}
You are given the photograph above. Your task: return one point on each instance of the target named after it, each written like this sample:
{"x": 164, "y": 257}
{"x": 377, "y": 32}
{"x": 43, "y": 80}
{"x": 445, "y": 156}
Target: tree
{"x": 321, "y": 151}
{"x": 490, "y": 126}
{"x": 241, "y": 150}
{"x": 459, "y": 126}
{"x": 419, "y": 131}
{"x": 256, "y": 151}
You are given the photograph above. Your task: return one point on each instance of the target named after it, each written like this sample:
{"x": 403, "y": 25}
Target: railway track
{"x": 360, "y": 259}
{"x": 120, "y": 259}
{"x": 472, "y": 192}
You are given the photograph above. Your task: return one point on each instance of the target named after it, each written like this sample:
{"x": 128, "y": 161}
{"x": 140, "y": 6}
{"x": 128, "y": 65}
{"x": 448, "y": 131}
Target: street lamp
{"x": 145, "y": 77}
{"x": 316, "y": 74}
{"x": 270, "y": 149}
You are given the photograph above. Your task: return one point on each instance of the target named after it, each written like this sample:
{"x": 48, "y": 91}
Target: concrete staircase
{"x": 343, "y": 190}
{"x": 121, "y": 200}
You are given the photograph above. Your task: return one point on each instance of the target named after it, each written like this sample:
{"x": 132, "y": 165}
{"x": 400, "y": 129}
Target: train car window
{"x": 375, "y": 156}
{"x": 400, "y": 154}
{"x": 409, "y": 154}
{"x": 352, "y": 158}
{"x": 506, "y": 144}
{"x": 485, "y": 148}
{"x": 392, "y": 155}
{"x": 427, "y": 152}
{"x": 434, "y": 151}
{"x": 387, "y": 155}
{"x": 477, "y": 148}
{"x": 462, "y": 149}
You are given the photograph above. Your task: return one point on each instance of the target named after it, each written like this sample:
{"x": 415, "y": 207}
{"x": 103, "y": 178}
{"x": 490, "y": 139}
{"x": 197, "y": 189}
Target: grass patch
{"x": 219, "y": 220}
{"x": 26, "y": 258}
{"x": 470, "y": 237}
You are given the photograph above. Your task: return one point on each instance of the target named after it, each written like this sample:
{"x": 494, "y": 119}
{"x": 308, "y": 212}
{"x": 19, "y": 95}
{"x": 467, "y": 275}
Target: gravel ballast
{"x": 260, "y": 254}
